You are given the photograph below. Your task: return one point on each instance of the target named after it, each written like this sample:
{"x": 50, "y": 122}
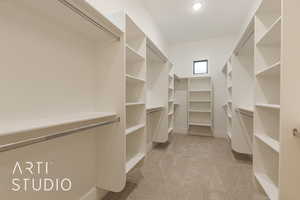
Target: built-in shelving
{"x": 130, "y": 164}
{"x": 134, "y": 79}
{"x": 269, "y": 187}
{"x": 46, "y": 123}
{"x": 200, "y": 104}
{"x": 171, "y": 94}
{"x": 135, "y": 94}
{"x": 134, "y": 128}
{"x": 273, "y": 70}
{"x": 68, "y": 75}
{"x": 135, "y": 104}
{"x": 268, "y": 23}
{"x": 159, "y": 97}
{"x": 271, "y": 106}
{"x": 133, "y": 56}
{"x": 269, "y": 141}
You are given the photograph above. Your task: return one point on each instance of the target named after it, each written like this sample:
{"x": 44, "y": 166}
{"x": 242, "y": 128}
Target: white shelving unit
{"x": 135, "y": 94}
{"x": 171, "y": 96}
{"x": 157, "y": 96}
{"x": 55, "y": 61}
{"x": 267, "y": 96}
{"x": 200, "y": 106}
{"x": 239, "y": 108}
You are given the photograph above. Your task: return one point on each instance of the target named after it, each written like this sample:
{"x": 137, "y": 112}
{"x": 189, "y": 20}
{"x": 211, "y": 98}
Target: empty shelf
{"x": 158, "y": 107}
{"x": 204, "y": 90}
{"x": 134, "y": 129}
{"x": 170, "y": 113}
{"x": 170, "y": 88}
{"x": 199, "y": 124}
{"x": 273, "y": 70}
{"x": 170, "y": 130}
{"x": 272, "y": 106}
{"x": 132, "y": 56}
{"x": 203, "y": 101}
{"x": 201, "y": 111}
{"x": 33, "y": 125}
{"x": 272, "y": 35}
{"x": 269, "y": 141}
{"x": 130, "y": 164}
{"x": 246, "y": 109}
{"x": 134, "y": 79}
{"x": 269, "y": 187}
{"x": 135, "y": 104}
{"x": 171, "y": 100}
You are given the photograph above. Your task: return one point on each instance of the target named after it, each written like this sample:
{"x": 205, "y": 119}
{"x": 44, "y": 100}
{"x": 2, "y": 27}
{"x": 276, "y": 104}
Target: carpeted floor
{"x": 191, "y": 168}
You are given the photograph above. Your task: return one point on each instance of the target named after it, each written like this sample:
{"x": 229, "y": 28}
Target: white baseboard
{"x": 94, "y": 194}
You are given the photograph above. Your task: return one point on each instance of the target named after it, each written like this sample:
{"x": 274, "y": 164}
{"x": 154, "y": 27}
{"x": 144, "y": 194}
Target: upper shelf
{"x": 12, "y": 128}
{"x": 272, "y": 35}
{"x": 75, "y": 15}
{"x": 273, "y": 70}
{"x": 132, "y": 56}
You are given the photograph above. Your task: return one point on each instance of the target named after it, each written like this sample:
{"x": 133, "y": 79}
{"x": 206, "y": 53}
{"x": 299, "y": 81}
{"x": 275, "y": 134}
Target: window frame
{"x": 199, "y": 61}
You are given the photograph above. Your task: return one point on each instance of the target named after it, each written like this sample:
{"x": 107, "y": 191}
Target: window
{"x": 200, "y": 67}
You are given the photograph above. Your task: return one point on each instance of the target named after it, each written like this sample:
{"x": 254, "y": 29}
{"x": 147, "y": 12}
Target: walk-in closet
{"x": 149, "y": 100}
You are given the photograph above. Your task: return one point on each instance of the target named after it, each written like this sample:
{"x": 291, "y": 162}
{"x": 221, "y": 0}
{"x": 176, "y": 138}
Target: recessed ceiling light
{"x": 197, "y": 6}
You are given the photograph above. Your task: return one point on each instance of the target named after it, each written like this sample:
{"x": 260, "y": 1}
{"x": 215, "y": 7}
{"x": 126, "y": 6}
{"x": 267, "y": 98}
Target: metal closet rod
{"x": 89, "y": 19}
{"x": 28, "y": 142}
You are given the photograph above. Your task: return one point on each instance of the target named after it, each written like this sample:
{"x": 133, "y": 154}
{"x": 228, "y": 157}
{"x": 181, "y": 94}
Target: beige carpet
{"x": 191, "y": 168}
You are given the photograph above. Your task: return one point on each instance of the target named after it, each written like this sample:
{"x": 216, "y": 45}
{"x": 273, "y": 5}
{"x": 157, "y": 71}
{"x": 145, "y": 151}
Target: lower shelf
{"x": 134, "y": 128}
{"x": 269, "y": 141}
{"x": 269, "y": 187}
{"x": 130, "y": 164}
{"x": 199, "y": 124}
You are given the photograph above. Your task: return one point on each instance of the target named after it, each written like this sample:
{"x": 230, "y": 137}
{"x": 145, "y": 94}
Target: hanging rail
{"x": 89, "y": 19}
{"x": 28, "y": 142}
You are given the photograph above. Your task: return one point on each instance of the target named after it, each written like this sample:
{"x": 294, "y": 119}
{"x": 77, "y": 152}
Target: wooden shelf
{"x": 133, "y": 56}
{"x": 199, "y": 124}
{"x": 135, "y": 104}
{"x": 134, "y": 161}
{"x": 269, "y": 187}
{"x": 275, "y": 145}
{"x": 273, "y": 70}
{"x": 134, "y": 128}
{"x": 272, "y": 106}
{"x": 272, "y": 35}
{"x": 134, "y": 79}
{"x": 33, "y": 125}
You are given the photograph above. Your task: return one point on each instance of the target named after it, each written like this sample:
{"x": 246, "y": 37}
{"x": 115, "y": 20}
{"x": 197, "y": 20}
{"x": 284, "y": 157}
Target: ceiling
{"x": 180, "y": 23}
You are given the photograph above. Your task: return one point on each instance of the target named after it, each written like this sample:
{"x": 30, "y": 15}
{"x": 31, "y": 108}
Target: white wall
{"x": 217, "y": 51}
{"x": 138, "y": 13}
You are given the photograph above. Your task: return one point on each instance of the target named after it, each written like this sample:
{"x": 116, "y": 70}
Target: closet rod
{"x": 31, "y": 141}
{"x": 89, "y": 19}
{"x": 160, "y": 57}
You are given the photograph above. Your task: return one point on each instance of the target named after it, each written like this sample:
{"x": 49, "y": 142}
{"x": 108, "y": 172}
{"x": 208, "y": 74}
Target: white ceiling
{"x": 179, "y": 23}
